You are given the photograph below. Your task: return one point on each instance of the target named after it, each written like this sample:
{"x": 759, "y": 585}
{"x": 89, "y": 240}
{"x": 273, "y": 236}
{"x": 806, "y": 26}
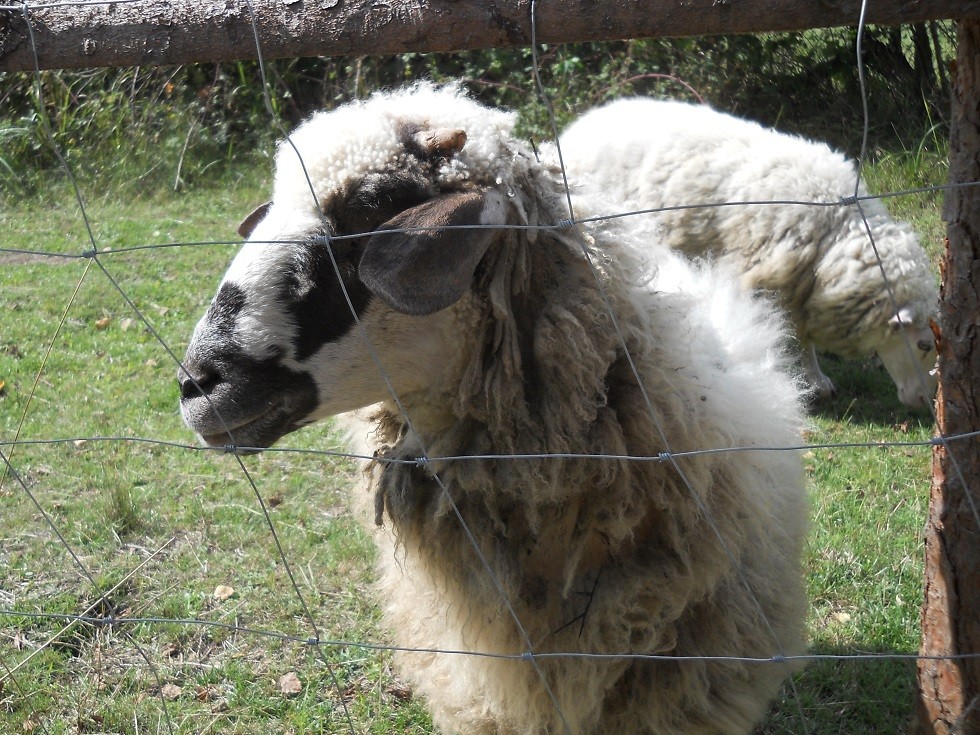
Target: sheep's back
{"x": 688, "y": 158}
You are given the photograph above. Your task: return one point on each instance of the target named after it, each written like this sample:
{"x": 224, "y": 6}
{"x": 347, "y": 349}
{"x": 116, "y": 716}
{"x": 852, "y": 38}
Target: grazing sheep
{"x": 817, "y": 260}
{"x": 499, "y": 341}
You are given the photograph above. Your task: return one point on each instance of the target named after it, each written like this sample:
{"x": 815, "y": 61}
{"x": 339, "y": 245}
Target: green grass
{"x": 192, "y": 518}
{"x": 159, "y": 528}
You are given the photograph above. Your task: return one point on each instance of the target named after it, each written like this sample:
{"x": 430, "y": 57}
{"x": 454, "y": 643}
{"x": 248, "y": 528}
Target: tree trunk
{"x": 185, "y": 31}
{"x": 922, "y": 49}
{"x": 940, "y": 61}
{"x": 948, "y": 689}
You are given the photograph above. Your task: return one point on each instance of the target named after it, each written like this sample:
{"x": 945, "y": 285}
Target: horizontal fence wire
{"x": 95, "y": 260}
{"x": 109, "y": 621}
{"x": 565, "y": 224}
{"x": 936, "y": 441}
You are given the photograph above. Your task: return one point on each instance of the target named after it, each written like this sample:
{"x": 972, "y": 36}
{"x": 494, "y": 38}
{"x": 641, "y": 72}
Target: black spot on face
{"x": 323, "y": 313}
{"x": 225, "y": 308}
{"x": 378, "y": 197}
{"x": 322, "y": 306}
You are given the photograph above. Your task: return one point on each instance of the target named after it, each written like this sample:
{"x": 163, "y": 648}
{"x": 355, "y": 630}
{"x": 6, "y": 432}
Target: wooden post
{"x": 949, "y": 690}
{"x": 185, "y": 31}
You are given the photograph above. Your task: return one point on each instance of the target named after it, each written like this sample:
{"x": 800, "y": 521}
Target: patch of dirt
{"x": 26, "y": 258}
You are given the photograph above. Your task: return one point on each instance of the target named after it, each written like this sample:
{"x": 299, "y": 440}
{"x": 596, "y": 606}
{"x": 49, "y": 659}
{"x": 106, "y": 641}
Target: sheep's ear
{"x": 428, "y": 269}
{"x": 249, "y": 223}
{"x": 903, "y": 318}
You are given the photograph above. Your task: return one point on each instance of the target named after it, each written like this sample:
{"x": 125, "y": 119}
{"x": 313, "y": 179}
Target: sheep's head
{"x": 305, "y": 310}
{"x": 908, "y": 353}
{"x": 902, "y": 334}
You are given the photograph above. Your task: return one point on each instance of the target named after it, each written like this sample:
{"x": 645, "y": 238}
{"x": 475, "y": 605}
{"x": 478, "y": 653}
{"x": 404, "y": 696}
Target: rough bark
{"x": 924, "y": 70}
{"x": 948, "y": 689}
{"x": 184, "y": 31}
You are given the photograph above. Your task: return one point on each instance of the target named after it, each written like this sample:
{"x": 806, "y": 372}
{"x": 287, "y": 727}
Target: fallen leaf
{"x": 399, "y": 691}
{"x": 171, "y": 691}
{"x": 222, "y": 592}
{"x": 172, "y": 649}
{"x": 289, "y": 684}
{"x": 79, "y": 443}
{"x": 103, "y": 322}
{"x": 126, "y": 323}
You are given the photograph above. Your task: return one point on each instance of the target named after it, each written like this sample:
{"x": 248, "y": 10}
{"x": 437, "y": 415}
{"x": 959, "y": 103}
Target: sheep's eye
{"x": 344, "y": 249}
{"x": 379, "y": 197}
{"x": 924, "y": 345}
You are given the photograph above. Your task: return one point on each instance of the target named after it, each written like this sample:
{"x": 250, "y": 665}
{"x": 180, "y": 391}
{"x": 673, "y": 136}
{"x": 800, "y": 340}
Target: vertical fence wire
{"x": 780, "y": 645}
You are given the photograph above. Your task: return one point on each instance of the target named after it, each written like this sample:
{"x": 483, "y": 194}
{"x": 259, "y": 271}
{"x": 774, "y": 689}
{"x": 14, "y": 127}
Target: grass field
{"x": 129, "y": 528}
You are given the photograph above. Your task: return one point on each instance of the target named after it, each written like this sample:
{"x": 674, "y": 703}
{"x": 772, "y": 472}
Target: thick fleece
{"x": 693, "y": 556}
{"x": 817, "y": 260}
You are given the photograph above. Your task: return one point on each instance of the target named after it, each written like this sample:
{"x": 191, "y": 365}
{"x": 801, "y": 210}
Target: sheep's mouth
{"x": 249, "y": 414}
{"x": 246, "y": 434}
{"x": 253, "y": 435}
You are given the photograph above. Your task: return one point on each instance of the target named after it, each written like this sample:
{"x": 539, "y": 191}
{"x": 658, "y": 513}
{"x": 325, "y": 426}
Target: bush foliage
{"x": 182, "y": 125}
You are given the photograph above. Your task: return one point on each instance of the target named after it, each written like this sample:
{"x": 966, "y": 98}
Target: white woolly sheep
{"x": 500, "y": 341}
{"x": 818, "y": 261}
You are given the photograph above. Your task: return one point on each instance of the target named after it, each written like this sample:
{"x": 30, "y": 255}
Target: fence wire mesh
{"x": 244, "y": 602}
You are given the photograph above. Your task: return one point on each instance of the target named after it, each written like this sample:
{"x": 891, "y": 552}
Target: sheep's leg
{"x": 822, "y": 385}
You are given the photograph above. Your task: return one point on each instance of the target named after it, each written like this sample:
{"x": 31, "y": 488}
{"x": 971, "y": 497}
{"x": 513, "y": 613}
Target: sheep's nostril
{"x": 196, "y": 381}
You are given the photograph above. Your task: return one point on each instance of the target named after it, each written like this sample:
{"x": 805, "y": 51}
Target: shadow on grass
{"x": 866, "y": 395}
{"x": 846, "y": 696}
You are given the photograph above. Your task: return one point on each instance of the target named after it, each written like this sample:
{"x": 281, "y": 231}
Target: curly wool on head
{"x": 521, "y": 338}
{"x": 818, "y": 260}
{"x": 364, "y": 138}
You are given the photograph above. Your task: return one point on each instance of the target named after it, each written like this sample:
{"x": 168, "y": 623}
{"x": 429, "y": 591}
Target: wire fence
{"x": 88, "y": 602}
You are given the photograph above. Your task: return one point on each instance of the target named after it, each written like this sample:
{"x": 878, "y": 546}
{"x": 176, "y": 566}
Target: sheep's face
{"x": 909, "y": 355}
{"x": 305, "y": 325}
